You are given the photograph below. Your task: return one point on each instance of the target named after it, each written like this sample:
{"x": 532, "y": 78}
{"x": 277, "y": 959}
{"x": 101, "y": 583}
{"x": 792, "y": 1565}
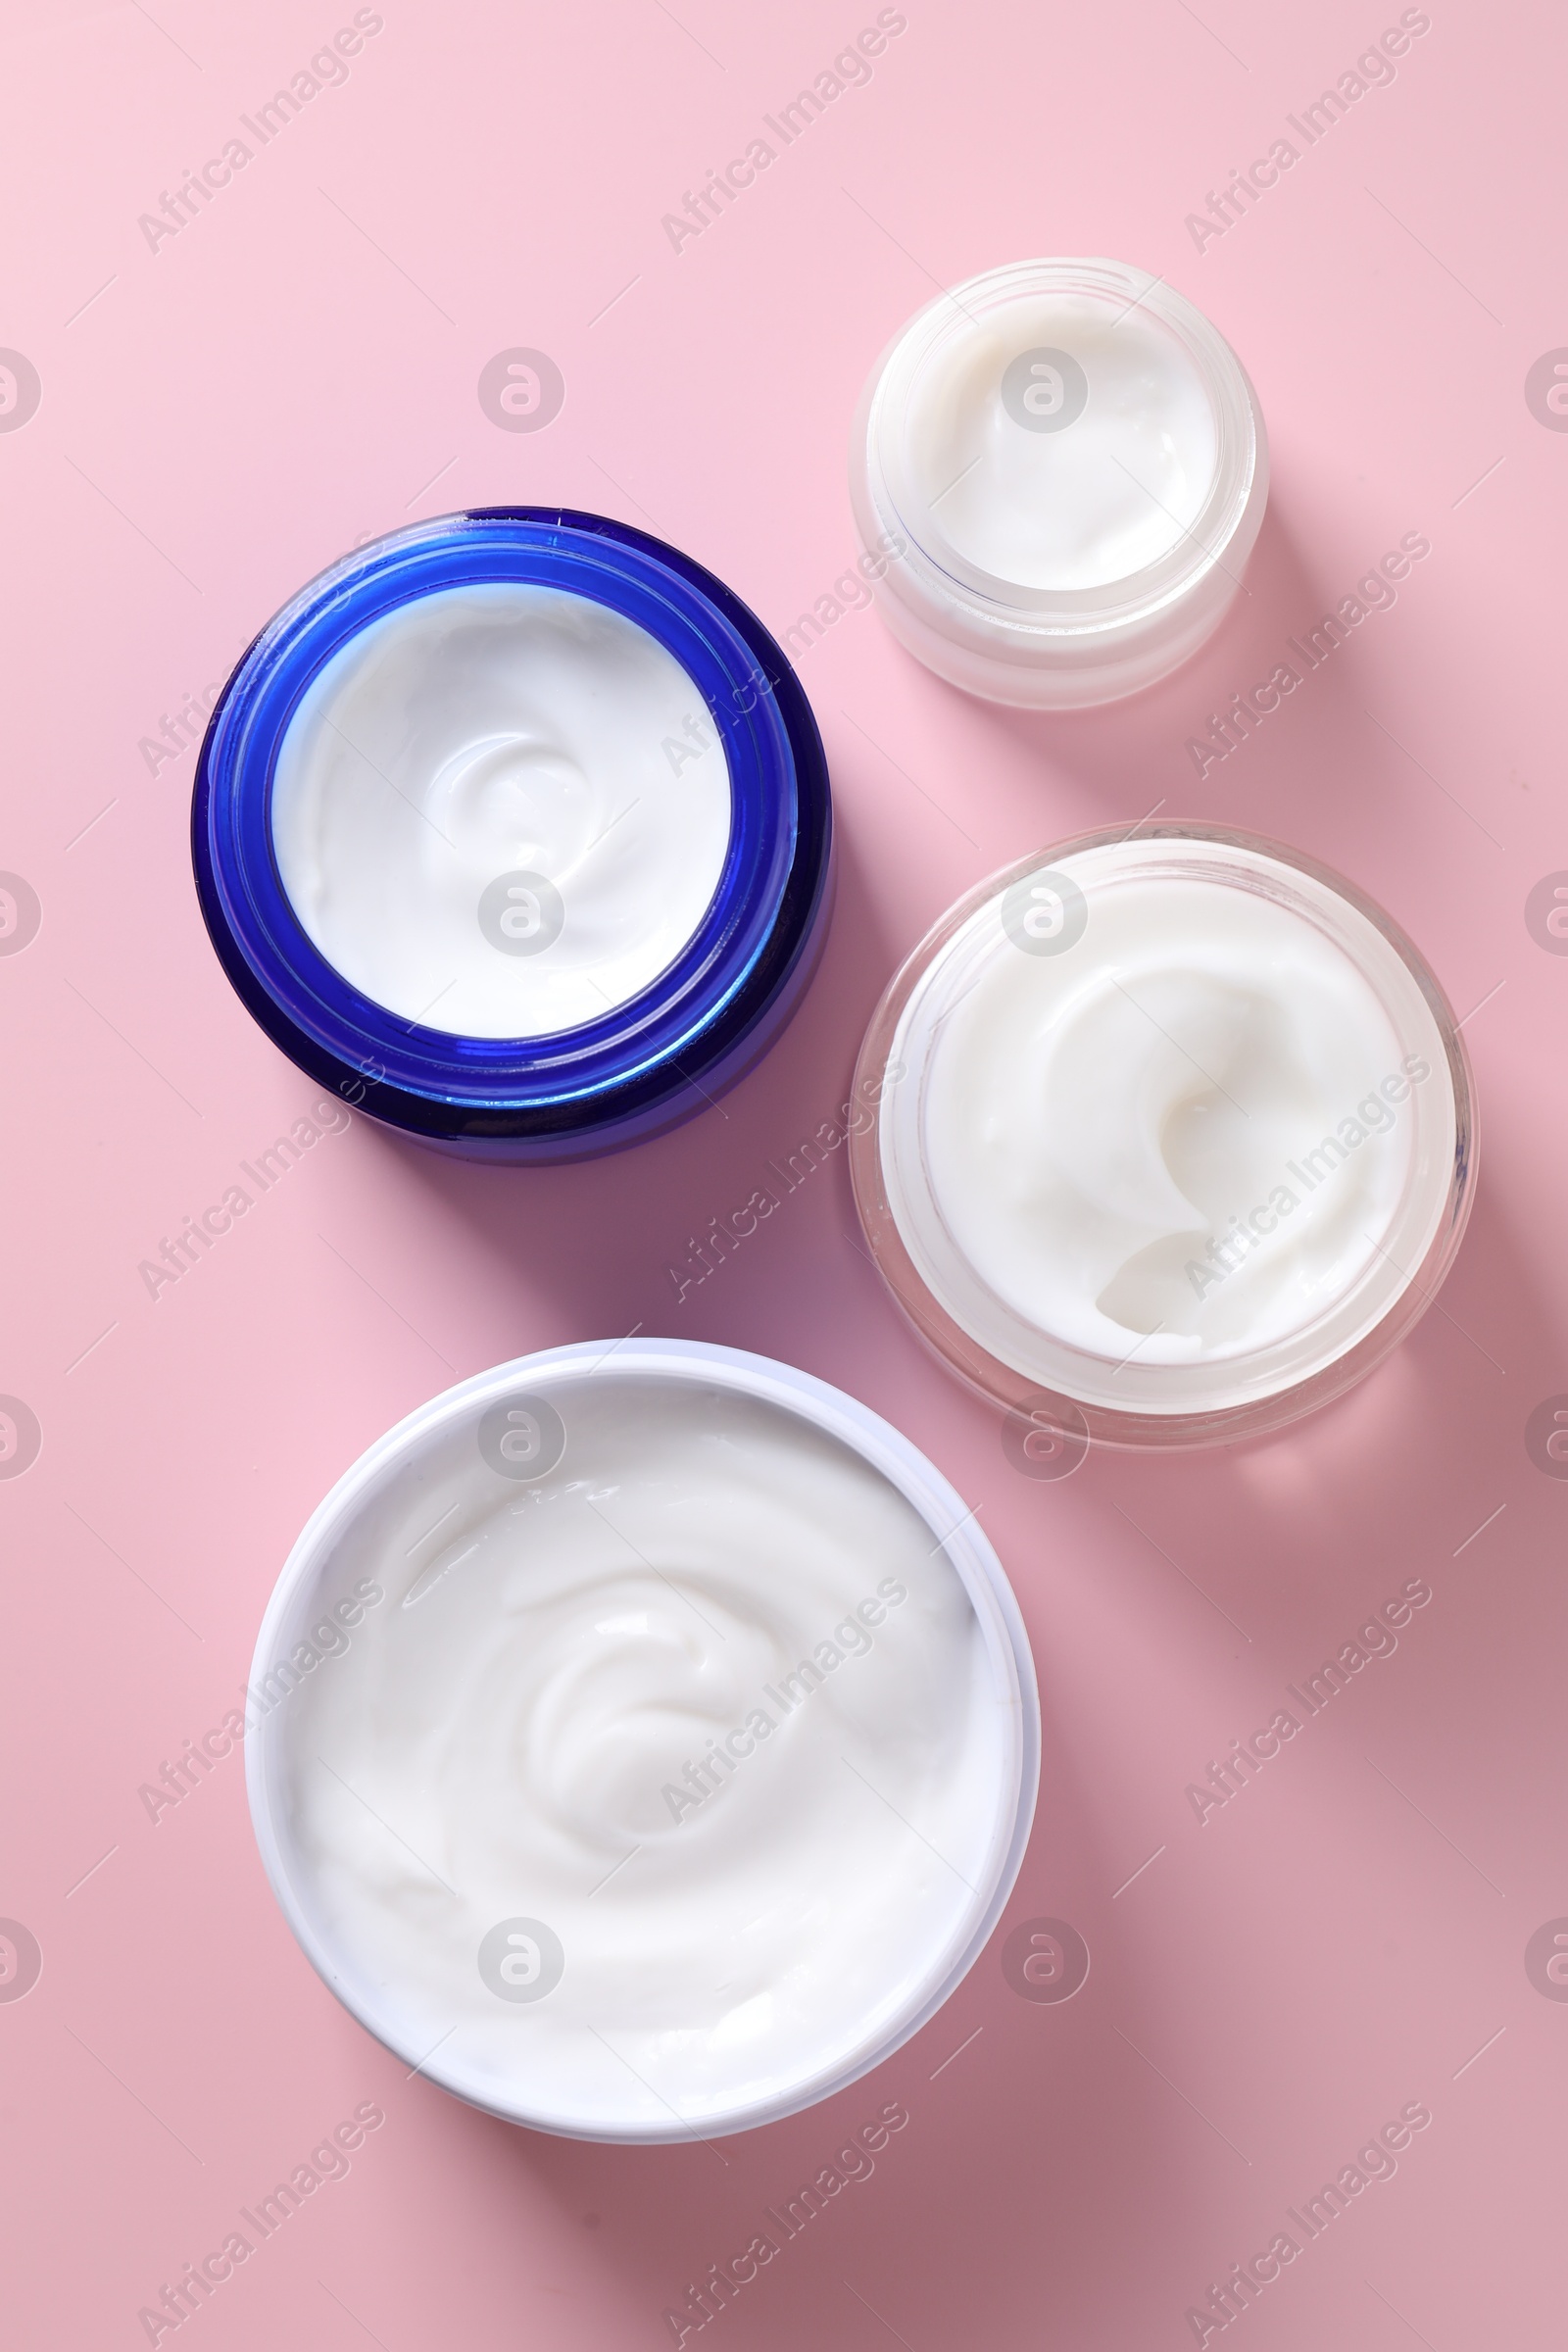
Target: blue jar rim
{"x": 696, "y": 1014}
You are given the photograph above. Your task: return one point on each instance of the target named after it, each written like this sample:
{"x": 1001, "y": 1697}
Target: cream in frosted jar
{"x": 1180, "y": 1133}
{"x": 1070, "y": 467}
{"x": 685, "y": 1762}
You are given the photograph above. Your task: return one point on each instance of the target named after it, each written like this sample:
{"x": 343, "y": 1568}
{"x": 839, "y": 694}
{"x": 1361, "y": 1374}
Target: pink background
{"x": 296, "y": 368}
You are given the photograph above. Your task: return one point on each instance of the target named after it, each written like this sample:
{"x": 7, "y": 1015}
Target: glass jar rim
{"x": 1139, "y": 597}
{"x": 1080, "y": 1420}
{"x": 751, "y": 935}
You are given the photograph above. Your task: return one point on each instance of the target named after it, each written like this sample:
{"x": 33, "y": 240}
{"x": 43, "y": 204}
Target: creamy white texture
{"x": 1187, "y": 1156}
{"x": 703, "y": 1579}
{"x": 467, "y": 743}
{"x": 1034, "y": 489}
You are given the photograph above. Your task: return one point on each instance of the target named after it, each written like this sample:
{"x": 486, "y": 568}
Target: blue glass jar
{"x": 648, "y": 1062}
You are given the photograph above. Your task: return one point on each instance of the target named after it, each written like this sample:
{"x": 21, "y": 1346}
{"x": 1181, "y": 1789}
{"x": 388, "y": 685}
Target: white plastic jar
{"x": 1061, "y": 469}
{"x": 1175, "y": 1137}
{"x": 642, "y": 1741}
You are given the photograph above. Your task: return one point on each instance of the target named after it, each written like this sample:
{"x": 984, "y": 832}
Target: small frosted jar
{"x": 1175, "y": 1140}
{"x": 1057, "y": 473}
{"x": 514, "y": 829}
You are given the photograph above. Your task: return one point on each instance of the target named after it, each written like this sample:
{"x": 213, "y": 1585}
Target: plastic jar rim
{"x": 878, "y": 1441}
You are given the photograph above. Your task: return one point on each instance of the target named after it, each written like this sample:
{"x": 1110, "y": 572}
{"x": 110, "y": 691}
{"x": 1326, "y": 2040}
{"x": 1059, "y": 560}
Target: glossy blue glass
{"x": 650, "y": 1062}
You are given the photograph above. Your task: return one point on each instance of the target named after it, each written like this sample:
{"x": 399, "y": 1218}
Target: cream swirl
{"x": 465, "y": 748}
{"x": 705, "y": 1699}
{"x": 1178, "y": 1125}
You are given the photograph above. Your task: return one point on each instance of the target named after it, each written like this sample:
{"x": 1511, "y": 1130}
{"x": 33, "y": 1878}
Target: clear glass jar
{"x": 1175, "y": 1137}
{"x": 1057, "y": 473}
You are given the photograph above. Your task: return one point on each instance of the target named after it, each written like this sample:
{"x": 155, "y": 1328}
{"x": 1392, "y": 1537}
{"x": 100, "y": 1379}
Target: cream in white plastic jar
{"x": 1181, "y": 1135}
{"x": 681, "y": 1765}
{"x": 478, "y": 766}
{"x": 1071, "y": 466}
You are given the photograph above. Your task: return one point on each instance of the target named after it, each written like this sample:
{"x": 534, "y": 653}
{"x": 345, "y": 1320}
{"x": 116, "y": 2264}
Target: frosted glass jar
{"x": 1059, "y": 470}
{"x": 1175, "y": 1137}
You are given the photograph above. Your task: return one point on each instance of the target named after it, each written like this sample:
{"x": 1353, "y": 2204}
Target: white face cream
{"x": 500, "y": 809}
{"x": 1176, "y": 1128}
{"x": 1060, "y": 445}
{"x": 674, "y": 1769}
{"x": 1068, "y": 466}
